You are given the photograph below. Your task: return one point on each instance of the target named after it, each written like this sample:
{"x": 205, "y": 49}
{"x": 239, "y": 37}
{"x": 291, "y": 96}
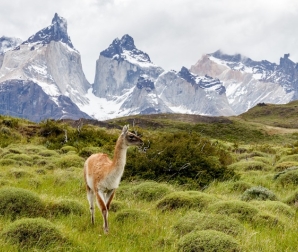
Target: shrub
{"x": 16, "y": 202}
{"x": 65, "y": 207}
{"x": 275, "y": 207}
{"x": 258, "y": 193}
{"x": 208, "y": 241}
{"x": 289, "y": 177}
{"x": 185, "y": 199}
{"x": 150, "y": 191}
{"x": 132, "y": 215}
{"x": 234, "y": 208}
{"x": 29, "y": 233}
{"x": 199, "y": 221}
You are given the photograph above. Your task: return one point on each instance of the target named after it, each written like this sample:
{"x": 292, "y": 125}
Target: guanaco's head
{"x": 130, "y": 139}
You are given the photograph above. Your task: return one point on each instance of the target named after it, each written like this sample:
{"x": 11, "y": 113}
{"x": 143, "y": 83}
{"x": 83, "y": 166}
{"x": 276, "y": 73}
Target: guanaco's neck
{"x": 119, "y": 158}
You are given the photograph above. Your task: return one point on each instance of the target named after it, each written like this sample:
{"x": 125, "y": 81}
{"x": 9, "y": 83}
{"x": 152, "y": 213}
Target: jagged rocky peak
{"x": 57, "y": 31}
{"x": 124, "y": 49}
{"x": 7, "y": 43}
{"x": 145, "y": 82}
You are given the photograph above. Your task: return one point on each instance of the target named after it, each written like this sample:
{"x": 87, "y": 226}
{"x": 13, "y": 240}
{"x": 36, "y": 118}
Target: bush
{"x": 65, "y": 207}
{"x": 185, "y": 199}
{"x": 199, "y": 221}
{"x": 258, "y": 193}
{"x": 208, "y": 241}
{"x": 234, "y": 208}
{"x": 29, "y": 233}
{"x": 288, "y": 177}
{"x": 150, "y": 191}
{"x": 16, "y": 202}
{"x": 132, "y": 215}
{"x": 187, "y": 159}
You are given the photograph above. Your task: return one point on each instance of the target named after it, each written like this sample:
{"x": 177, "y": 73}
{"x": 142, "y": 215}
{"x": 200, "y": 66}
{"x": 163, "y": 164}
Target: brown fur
{"x": 102, "y": 175}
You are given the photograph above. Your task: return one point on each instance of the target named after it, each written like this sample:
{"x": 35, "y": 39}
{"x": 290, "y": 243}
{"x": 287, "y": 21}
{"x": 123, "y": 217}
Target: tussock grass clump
{"x": 201, "y": 221}
{"x": 208, "y": 241}
{"x": 48, "y": 153}
{"x": 276, "y": 207}
{"x": 19, "y": 157}
{"x": 292, "y": 199}
{"x": 65, "y": 207}
{"x": 240, "y": 186}
{"x": 88, "y": 151}
{"x": 235, "y": 209}
{"x": 289, "y": 158}
{"x": 264, "y": 219}
{"x": 29, "y": 233}
{"x": 17, "y": 202}
{"x": 250, "y": 166}
{"x": 150, "y": 191}
{"x": 185, "y": 199}
{"x": 69, "y": 161}
{"x": 66, "y": 149}
{"x": 132, "y": 215}
{"x": 285, "y": 165}
{"x": 20, "y": 173}
{"x": 7, "y": 162}
{"x": 258, "y": 193}
{"x": 116, "y": 206}
{"x": 288, "y": 177}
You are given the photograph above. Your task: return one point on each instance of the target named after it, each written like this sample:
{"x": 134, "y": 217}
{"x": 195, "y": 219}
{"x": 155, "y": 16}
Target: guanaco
{"x": 102, "y": 175}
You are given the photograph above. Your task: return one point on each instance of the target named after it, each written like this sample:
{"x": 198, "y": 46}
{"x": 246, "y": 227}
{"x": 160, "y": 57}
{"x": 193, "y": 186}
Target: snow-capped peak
{"x": 125, "y": 49}
{"x": 57, "y": 31}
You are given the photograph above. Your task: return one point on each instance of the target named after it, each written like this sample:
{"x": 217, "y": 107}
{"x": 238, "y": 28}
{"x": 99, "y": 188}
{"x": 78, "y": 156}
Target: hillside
{"x": 224, "y": 181}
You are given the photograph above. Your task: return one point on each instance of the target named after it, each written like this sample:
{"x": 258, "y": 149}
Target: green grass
{"x": 42, "y": 187}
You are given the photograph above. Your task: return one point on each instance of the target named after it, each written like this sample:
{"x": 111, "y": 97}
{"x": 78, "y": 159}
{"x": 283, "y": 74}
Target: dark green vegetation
{"x": 197, "y": 184}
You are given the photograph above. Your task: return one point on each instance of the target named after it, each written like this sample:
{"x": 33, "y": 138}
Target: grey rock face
{"x": 144, "y": 99}
{"x": 119, "y": 67}
{"x": 184, "y": 91}
{"x": 249, "y": 82}
{"x": 26, "y": 99}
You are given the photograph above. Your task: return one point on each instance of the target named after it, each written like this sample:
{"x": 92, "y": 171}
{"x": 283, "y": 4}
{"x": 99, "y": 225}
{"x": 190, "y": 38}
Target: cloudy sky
{"x": 174, "y": 33}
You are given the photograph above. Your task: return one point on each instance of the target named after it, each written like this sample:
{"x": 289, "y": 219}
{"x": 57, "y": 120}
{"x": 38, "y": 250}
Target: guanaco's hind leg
{"x": 109, "y": 196}
{"x": 100, "y": 199}
{"x": 90, "y": 197}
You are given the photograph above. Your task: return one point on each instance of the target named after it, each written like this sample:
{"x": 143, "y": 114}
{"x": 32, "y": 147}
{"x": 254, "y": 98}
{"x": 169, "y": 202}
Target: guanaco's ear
{"x": 125, "y": 129}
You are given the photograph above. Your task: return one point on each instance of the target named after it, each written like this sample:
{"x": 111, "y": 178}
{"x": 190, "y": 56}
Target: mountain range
{"x": 42, "y": 78}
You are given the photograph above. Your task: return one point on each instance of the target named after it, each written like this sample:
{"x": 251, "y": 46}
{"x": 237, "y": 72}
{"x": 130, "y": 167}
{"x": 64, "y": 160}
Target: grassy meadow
{"x": 198, "y": 184}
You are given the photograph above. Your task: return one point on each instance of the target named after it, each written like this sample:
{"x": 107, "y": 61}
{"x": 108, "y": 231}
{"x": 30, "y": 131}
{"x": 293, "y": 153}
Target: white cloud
{"x": 174, "y": 33}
